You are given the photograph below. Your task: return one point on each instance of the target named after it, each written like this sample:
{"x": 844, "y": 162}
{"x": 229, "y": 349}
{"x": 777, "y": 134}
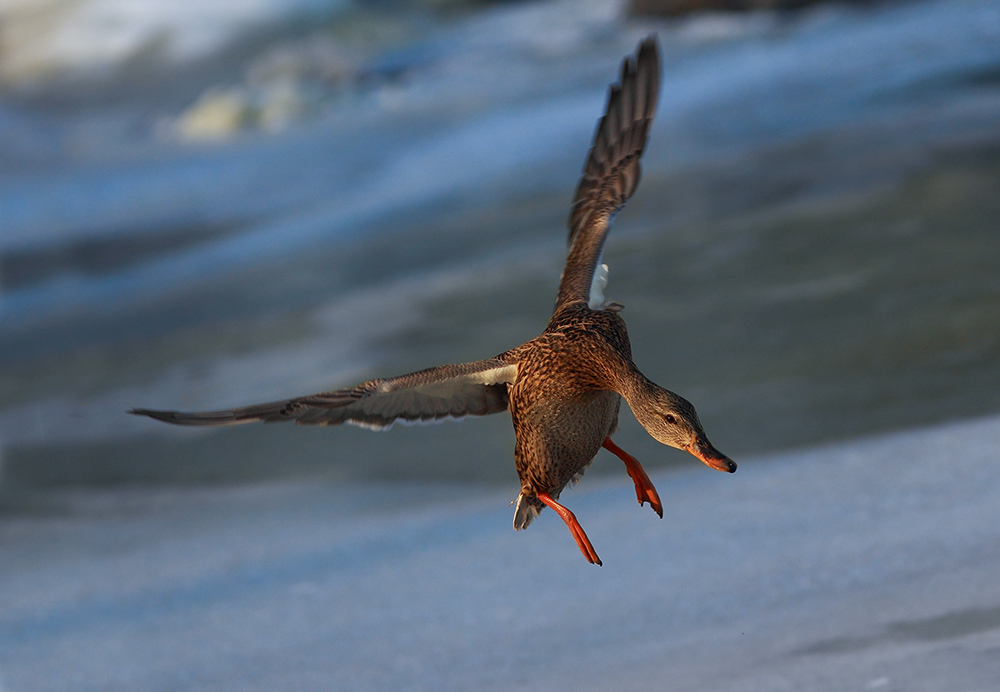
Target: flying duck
{"x": 564, "y": 387}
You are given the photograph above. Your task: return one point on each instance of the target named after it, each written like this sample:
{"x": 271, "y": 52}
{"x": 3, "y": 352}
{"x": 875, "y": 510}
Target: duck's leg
{"x": 644, "y": 490}
{"x": 574, "y": 528}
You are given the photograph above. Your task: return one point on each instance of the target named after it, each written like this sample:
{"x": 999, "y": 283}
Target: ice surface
{"x": 867, "y": 565}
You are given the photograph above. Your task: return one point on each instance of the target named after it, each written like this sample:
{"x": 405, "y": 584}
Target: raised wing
{"x": 448, "y": 391}
{"x": 612, "y": 171}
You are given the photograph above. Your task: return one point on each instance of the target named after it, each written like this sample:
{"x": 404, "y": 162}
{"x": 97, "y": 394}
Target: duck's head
{"x": 672, "y": 420}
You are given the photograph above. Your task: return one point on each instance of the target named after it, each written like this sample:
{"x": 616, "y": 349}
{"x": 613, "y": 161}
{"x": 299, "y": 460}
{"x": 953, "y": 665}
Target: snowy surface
{"x": 870, "y": 565}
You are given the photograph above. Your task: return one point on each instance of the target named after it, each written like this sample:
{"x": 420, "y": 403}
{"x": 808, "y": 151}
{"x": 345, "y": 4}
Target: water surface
{"x": 811, "y": 254}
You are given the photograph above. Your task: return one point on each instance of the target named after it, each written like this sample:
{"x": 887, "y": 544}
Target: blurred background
{"x": 207, "y": 205}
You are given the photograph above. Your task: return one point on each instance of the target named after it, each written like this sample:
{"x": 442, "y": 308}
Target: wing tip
{"x": 195, "y": 419}
{"x": 640, "y": 68}
{"x": 150, "y": 413}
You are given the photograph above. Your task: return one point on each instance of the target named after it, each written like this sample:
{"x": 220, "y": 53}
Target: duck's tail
{"x": 526, "y": 511}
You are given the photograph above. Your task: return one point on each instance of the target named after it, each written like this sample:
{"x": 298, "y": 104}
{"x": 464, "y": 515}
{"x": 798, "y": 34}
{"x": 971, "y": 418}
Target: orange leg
{"x": 574, "y": 528}
{"x": 644, "y": 490}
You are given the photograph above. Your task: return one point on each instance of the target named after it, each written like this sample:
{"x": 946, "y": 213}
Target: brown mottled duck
{"x": 563, "y": 388}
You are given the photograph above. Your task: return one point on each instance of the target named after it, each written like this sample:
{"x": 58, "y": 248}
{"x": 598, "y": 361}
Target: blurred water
{"x": 811, "y": 254}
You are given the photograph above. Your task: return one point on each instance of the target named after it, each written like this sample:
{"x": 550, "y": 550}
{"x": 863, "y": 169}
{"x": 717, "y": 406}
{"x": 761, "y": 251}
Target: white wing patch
{"x": 506, "y": 374}
{"x": 597, "y": 286}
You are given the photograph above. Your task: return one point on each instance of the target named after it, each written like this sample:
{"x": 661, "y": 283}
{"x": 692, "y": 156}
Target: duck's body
{"x": 563, "y": 388}
{"x": 565, "y": 401}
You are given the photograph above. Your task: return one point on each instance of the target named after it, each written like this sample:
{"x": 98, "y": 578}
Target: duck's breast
{"x": 558, "y": 438}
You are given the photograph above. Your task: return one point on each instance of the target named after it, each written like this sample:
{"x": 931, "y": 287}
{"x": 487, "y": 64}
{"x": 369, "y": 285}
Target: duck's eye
{"x": 671, "y": 419}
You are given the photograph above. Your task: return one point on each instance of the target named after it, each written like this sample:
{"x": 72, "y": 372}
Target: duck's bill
{"x": 710, "y": 456}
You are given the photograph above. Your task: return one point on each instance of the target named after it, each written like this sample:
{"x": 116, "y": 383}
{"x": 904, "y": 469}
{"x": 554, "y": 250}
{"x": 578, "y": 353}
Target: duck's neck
{"x": 642, "y": 395}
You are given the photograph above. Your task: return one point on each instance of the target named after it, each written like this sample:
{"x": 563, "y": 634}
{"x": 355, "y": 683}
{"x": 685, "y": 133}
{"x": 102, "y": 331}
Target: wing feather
{"x": 611, "y": 172}
{"x": 449, "y": 391}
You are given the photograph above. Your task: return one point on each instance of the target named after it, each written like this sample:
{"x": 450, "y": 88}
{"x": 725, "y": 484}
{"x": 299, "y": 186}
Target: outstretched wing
{"x": 448, "y": 391}
{"x": 612, "y": 171}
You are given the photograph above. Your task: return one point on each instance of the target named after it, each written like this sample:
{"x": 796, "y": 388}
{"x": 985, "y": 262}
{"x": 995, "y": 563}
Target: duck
{"x": 563, "y": 388}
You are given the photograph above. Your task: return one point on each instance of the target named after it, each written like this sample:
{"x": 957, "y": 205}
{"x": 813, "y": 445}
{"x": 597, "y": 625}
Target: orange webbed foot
{"x": 644, "y": 490}
{"x": 574, "y": 528}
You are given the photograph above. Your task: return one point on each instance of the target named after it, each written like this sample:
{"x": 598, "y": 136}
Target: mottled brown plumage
{"x": 563, "y": 388}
